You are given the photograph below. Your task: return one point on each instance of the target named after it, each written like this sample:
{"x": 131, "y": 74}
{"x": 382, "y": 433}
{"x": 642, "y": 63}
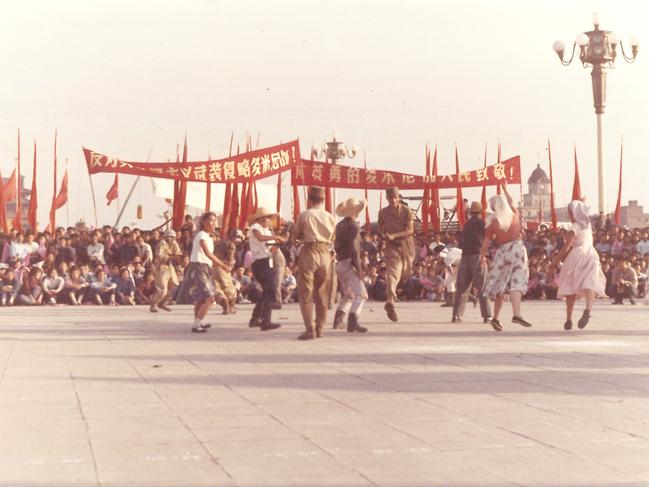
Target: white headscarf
{"x": 502, "y": 211}
{"x": 580, "y": 212}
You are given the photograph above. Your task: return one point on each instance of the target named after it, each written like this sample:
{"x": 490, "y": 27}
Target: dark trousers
{"x": 621, "y": 292}
{"x": 470, "y": 274}
{"x": 265, "y": 276}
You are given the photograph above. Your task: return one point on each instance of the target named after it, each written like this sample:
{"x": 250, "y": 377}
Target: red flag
{"x": 328, "y": 199}
{"x": 278, "y": 206}
{"x": 62, "y": 198}
{"x": 367, "y": 201}
{"x": 576, "y": 186}
{"x": 255, "y": 202}
{"x": 234, "y": 209}
{"x": 433, "y": 208}
{"x": 498, "y": 160}
{"x": 17, "y": 221}
{"x": 179, "y": 202}
{"x": 3, "y": 217}
{"x": 9, "y": 188}
{"x": 553, "y": 210}
{"x": 459, "y": 205}
{"x": 483, "y": 198}
{"x": 246, "y": 194}
{"x": 52, "y": 225}
{"x": 113, "y": 192}
{"x": 426, "y": 196}
{"x": 225, "y": 224}
{"x": 296, "y": 197}
{"x": 618, "y": 206}
{"x": 33, "y": 198}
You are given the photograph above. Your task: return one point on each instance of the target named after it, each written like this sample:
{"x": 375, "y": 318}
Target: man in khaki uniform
{"x": 225, "y": 251}
{"x": 396, "y": 223}
{"x": 315, "y": 229}
{"x": 166, "y": 253}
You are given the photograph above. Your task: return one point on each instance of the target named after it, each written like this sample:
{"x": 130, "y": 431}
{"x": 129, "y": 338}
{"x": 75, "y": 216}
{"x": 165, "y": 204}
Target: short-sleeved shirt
{"x": 315, "y": 225}
{"x": 258, "y": 249}
{"x": 197, "y": 252}
{"x": 394, "y": 220}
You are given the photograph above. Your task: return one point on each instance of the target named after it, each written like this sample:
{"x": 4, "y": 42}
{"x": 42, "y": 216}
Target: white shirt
{"x": 96, "y": 251}
{"x": 258, "y": 249}
{"x": 197, "y": 252}
{"x": 643, "y": 246}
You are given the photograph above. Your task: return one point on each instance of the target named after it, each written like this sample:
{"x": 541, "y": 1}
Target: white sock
{"x": 198, "y": 322}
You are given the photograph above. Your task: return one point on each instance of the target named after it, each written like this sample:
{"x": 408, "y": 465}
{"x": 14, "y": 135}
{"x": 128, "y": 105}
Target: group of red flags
{"x": 12, "y": 191}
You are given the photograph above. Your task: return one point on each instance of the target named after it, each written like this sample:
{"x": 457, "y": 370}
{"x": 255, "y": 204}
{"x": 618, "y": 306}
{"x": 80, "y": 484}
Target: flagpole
{"x": 130, "y": 193}
{"x": 67, "y": 207}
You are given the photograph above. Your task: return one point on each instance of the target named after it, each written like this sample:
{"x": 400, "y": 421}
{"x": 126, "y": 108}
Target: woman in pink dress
{"x": 581, "y": 273}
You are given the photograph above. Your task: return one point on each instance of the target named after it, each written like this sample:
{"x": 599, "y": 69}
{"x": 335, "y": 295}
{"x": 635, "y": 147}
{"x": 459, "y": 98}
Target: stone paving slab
{"x": 120, "y": 397}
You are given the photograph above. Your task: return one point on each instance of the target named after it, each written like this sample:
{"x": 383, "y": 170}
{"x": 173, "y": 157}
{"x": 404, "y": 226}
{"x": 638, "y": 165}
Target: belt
{"x": 317, "y": 245}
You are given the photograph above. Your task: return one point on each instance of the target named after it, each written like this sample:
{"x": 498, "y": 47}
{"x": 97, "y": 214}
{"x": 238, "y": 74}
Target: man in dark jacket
{"x": 471, "y": 273}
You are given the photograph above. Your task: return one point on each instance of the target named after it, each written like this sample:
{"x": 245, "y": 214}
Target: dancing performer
{"x": 199, "y": 273}
{"x": 471, "y": 273}
{"x": 348, "y": 265}
{"x": 225, "y": 250}
{"x": 509, "y": 272}
{"x": 314, "y": 228}
{"x": 262, "y": 245}
{"x": 581, "y": 273}
{"x": 167, "y": 253}
{"x": 396, "y": 223}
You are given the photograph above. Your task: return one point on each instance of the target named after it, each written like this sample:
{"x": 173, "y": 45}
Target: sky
{"x": 130, "y": 78}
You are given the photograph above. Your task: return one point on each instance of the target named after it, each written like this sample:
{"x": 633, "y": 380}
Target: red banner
{"x": 318, "y": 173}
{"x": 253, "y": 165}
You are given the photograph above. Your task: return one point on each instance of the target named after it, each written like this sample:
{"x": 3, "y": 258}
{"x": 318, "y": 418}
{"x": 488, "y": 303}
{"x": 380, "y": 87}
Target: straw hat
{"x": 261, "y": 212}
{"x": 169, "y": 233}
{"x": 476, "y": 207}
{"x": 350, "y": 208}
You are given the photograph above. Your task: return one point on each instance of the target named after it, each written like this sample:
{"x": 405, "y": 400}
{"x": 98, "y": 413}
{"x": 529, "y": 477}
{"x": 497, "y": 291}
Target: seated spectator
{"x": 125, "y": 287}
{"x": 101, "y": 290}
{"x": 76, "y": 287}
{"x": 624, "y": 282}
{"x": 53, "y": 285}
{"x": 9, "y": 286}
{"x": 31, "y": 292}
{"x": 289, "y": 286}
{"x": 145, "y": 288}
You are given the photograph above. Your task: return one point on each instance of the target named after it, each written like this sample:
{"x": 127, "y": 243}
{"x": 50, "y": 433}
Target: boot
{"x": 266, "y": 311}
{"x": 352, "y": 324}
{"x": 232, "y": 304}
{"x": 391, "y": 312}
{"x": 225, "y": 305}
{"x": 255, "y": 319}
{"x": 338, "y": 319}
{"x": 450, "y": 297}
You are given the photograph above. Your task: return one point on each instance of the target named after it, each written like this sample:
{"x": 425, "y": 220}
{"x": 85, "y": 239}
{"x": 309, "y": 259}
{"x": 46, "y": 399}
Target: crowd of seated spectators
{"x": 109, "y": 266}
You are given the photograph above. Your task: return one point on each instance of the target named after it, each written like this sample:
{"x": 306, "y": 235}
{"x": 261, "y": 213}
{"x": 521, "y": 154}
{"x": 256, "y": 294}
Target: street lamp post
{"x": 334, "y": 151}
{"x": 598, "y": 48}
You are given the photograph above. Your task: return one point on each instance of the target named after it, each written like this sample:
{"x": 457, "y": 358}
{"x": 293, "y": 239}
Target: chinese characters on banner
{"x": 317, "y": 173}
{"x": 253, "y": 165}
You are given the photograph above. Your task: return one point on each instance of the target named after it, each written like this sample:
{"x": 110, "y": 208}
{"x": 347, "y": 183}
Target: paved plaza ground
{"x": 118, "y": 396}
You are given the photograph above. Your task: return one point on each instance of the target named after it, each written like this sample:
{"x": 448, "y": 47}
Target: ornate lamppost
{"x": 598, "y": 48}
{"x": 334, "y": 151}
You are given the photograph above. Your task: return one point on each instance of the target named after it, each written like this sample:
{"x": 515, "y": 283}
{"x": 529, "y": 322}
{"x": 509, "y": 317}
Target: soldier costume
{"x": 396, "y": 223}
{"x": 166, "y": 252}
{"x": 225, "y": 250}
{"x": 314, "y": 228}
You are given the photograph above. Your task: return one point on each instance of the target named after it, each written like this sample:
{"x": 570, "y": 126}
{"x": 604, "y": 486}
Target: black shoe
{"x": 207, "y": 326}
{"x": 199, "y": 329}
{"x": 583, "y": 321}
{"x": 446, "y": 305}
{"x": 352, "y": 324}
{"x": 567, "y": 325}
{"x": 521, "y": 321}
{"x": 632, "y": 300}
{"x": 495, "y": 324}
{"x": 254, "y": 323}
{"x": 269, "y": 326}
{"x": 392, "y": 313}
{"x": 456, "y": 319}
{"x": 338, "y": 319}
